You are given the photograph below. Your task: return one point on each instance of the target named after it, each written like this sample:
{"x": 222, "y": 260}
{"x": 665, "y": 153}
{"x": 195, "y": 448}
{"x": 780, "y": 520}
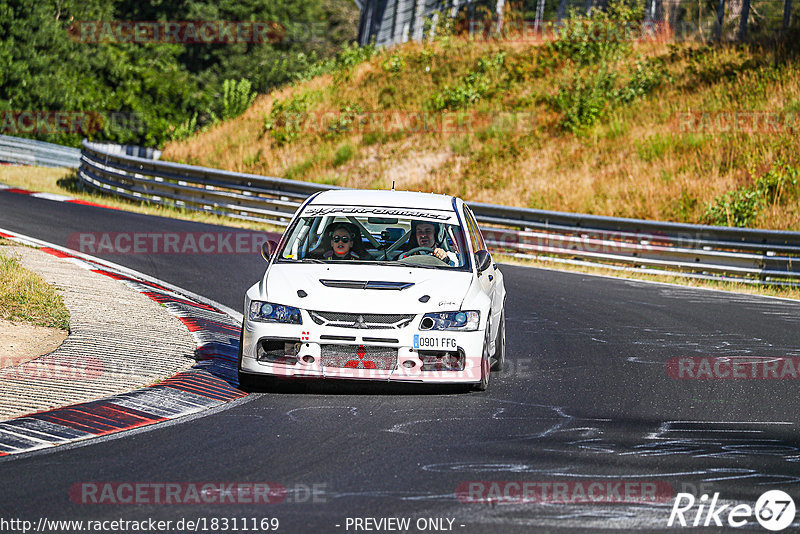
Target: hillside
{"x": 681, "y": 132}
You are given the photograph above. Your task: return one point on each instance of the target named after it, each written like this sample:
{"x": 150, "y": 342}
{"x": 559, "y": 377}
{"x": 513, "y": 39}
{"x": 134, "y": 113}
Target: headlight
{"x": 466, "y": 320}
{"x": 266, "y": 312}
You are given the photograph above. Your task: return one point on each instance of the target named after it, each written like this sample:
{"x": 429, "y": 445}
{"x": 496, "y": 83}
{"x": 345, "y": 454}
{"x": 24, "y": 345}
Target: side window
{"x": 475, "y": 236}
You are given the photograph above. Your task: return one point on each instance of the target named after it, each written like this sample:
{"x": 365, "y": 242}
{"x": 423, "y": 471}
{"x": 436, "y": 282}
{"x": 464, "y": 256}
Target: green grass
{"x": 26, "y": 297}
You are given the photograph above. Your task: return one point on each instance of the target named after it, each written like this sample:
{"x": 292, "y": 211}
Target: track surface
{"x": 586, "y": 396}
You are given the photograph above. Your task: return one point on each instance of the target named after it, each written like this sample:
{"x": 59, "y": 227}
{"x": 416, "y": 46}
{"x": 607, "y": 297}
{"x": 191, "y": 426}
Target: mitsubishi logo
{"x": 361, "y": 363}
{"x": 360, "y": 323}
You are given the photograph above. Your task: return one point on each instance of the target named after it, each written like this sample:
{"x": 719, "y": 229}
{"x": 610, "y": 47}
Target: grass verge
{"x": 26, "y": 297}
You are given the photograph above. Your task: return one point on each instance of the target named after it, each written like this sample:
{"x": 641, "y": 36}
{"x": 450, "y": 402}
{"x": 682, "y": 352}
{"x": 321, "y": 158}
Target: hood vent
{"x": 363, "y": 284}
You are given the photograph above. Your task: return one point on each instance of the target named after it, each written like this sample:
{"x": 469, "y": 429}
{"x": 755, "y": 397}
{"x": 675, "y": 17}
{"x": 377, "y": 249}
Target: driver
{"x": 425, "y": 234}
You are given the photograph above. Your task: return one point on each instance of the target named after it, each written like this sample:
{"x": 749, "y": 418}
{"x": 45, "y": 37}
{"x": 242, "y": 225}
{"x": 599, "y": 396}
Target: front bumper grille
{"x": 370, "y": 321}
{"x": 359, "y": 357}
{"x": 278, "y": 350}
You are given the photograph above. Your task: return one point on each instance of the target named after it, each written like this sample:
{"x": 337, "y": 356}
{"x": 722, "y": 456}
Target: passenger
{"x": 426, "y": 234}
{"x": 341, "y": 241}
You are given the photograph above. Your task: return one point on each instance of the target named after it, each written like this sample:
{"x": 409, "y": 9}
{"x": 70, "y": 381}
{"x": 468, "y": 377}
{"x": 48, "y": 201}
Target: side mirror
{"x": 268, "y": 249}
{"x": 483, "y": 259}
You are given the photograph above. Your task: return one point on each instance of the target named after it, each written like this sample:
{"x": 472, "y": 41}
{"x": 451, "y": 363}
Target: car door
{"x": 487, "y": 279}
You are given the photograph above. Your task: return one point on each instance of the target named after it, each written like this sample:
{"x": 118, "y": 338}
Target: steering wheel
{"x": 415, "y": 250}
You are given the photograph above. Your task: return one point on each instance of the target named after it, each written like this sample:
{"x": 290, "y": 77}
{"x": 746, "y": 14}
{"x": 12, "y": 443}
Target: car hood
{"x": 446, "y": 289}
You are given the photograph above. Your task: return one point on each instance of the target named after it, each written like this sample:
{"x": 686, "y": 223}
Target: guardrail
{"x": 30, "y": 152}
{"x": 748, "y": 255}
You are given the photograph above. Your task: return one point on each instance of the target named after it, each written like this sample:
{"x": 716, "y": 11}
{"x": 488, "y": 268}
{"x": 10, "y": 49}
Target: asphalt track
{"x": 586, "y": 397}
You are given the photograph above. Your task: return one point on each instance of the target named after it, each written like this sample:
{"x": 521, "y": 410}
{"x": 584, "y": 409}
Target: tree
{"x": 720, "y": 19}
{"x": 743, "y": 19}
{"x": 787, "y": 12}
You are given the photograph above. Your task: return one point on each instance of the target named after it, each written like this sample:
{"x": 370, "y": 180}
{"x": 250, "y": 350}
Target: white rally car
{"x": 379, "y": 285}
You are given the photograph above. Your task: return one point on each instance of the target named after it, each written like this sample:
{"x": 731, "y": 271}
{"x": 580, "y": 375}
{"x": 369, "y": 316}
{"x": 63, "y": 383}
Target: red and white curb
{"x": 51, "y": 196}
{"x": 211, "y": 382}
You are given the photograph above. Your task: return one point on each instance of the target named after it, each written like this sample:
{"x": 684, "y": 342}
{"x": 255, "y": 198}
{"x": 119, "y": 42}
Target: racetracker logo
{"x": 46, "y": 122}
{"x": 733, "y": 368}
{"x": 51, "y": 367}
{"x": 179, "y": 32}
{"x": 169, "y": 242}
{"x": 399, "y": 121}
{"x": 169, "y": 493}
{"x": 774, "y": 510}
{"x": 50, "y": 122}
{"x": 597, "y": 31}
{"x": 736, "y": 121}
{"x": 564, "y": 492}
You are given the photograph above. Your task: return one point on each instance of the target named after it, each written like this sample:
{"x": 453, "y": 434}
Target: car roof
{"x": 388, "y": 199}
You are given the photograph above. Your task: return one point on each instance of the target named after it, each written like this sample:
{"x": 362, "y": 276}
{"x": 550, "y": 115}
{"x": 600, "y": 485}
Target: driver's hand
{"x": 440, "y": 253}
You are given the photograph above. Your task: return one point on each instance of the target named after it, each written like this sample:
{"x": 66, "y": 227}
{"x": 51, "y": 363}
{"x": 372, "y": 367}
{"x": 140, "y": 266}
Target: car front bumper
{"x": 396, "y": 355}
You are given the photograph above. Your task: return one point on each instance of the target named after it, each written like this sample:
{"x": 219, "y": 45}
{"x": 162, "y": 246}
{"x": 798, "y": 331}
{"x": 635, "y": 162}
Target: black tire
{"x": 485, "y": 366}
{"x": 248, "y": 382}
{"x": 500, "y": 345}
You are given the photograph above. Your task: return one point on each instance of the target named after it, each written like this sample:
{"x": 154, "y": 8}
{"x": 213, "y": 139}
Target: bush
{"x": 779, "y": 184}
{"x": 236, "y": 98}
{"x": 345, "y": 121}
{"x": 343, "y": 154}
{"x": 474, "y": 86}
{"x": 600, "y": 36}
{"x": 394, "y": 64}
{"x": 585, "y": 99}
{"x": 286, "y": 117}
{"x": 741, "y": 206}
{"x": 734, "y": 208}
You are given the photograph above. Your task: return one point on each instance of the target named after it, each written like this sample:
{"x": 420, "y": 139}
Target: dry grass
{"x": 63, "y": 182}
{"x": 25, "y": 296}
{"x": 634, "y": 162}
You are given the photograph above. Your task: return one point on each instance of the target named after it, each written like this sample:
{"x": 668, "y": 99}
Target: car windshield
{"x": 424, "y": 240}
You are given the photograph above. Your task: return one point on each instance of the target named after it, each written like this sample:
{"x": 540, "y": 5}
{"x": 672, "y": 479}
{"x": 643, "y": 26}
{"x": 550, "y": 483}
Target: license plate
{"x": 430, "y": 342}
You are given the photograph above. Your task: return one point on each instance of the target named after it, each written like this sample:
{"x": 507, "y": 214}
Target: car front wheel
{"x": 500, "y": 345}
{"x": 485, "y": 365}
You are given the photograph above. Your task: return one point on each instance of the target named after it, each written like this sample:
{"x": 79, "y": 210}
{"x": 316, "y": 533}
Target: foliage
{"x": 474, "y": 85}
{"x": 286, "y": 118}
{"x": 25, "y": 296}
{"x": 344, "y": 121}
{"x": 740, "y": 206}
{"x": 343, "y": 154}
{"x": 585, "y": 98}
{"x": 149, "y": 93}
{"x": 606, "y": 71}
{"x": 236, "y": 98}
{"x": 393, "y": 64}
{"x": 350, "y": 56}
{"x": 600, "y": 36}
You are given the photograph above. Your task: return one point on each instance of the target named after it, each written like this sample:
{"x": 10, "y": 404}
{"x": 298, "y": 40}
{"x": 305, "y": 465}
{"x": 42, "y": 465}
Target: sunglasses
{"x": 344, "y": 239}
